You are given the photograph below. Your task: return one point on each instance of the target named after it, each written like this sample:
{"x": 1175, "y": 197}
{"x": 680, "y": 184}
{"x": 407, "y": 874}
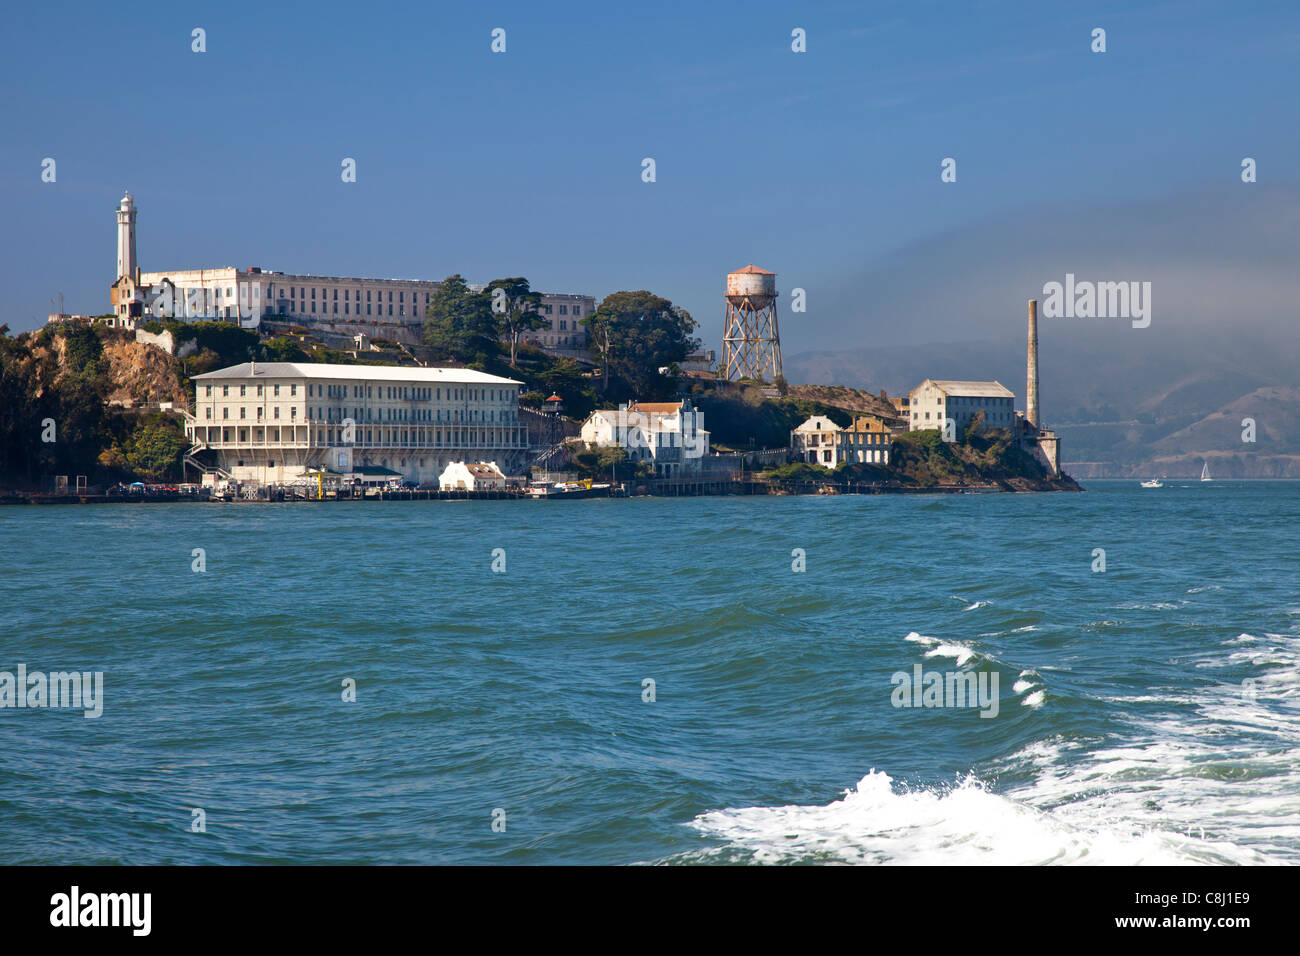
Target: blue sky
{"x": 823, "y": 166}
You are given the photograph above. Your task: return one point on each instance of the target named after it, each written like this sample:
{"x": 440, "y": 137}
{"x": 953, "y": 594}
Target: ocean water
{"x": 1149, "y": 713}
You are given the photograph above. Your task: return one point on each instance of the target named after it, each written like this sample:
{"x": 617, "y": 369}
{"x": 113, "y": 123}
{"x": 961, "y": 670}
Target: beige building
{"x": 935, "y": 401}
{"x": 817, "y": 442}
{"x": 866, "y": 441}
{"x": 564, "y": 333}
{"x": 271, "y": 422}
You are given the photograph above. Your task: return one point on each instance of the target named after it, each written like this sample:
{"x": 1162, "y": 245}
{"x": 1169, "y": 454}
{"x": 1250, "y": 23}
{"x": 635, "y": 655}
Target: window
{"x": 564, "y": 310}
{"x": 209, "y": 392}
{"x": 243, "y": 412}
{"x": 277, "y": 391}
{"x": 208, "y": 412}
{"x": 225, "y": 391}
{"x": 259, "y": 391}
{"x": 225, "y": 412}
{"x": 293, "y": 389}
{"x": 277, "y": 412}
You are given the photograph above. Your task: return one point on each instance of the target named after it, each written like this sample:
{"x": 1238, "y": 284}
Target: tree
{"x": 459, "y": 323}
{"x": 516, "y": 310}
{"x": 155, "y": 448}
{"x": 610, "y": 463}
{"x": 637, "y": 333}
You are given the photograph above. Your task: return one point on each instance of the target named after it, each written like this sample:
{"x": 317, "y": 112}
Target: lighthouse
{"x": 126, "y": 263}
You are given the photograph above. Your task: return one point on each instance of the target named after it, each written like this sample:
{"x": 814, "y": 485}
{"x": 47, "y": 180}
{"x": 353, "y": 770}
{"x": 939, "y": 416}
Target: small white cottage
{"x": 475, "y": 476}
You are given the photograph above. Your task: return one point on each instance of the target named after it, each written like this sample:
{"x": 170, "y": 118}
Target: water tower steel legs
{"x": 751, "y": 342}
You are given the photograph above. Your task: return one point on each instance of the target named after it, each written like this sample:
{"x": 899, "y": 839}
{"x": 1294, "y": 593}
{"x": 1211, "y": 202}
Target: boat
{"x": 1153, "y": 483}
{"x": 574, "y": 489}
{"x": 1205, "y": 471}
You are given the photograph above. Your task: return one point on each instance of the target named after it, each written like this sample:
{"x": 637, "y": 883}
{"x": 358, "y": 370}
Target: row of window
{"x": 411, "y": 393}
{"x": 329, "y": 413}
{"x": 243, "y": 412}
{"x": 988, "y": 416}
{"x": 364, "y": 414}
{"x": 291, "y": 308}
{"x": 392, "y": 392}
{"x": 980, "y": 402}
{"x": 301, "y": 293}
{"x": 564, "y": 310}
{"x": 243, "y": 390}
{"x": 369, "y": 436}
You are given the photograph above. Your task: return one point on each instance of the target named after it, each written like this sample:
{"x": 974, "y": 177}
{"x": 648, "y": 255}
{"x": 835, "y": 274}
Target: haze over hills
{"x": 1222, "y": 344}
{"x": 1124, "y": 403}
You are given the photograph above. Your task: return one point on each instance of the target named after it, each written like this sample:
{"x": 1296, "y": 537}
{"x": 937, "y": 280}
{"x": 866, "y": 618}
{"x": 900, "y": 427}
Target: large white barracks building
{"x": 248, "y": 295}
{"x": 276, "y": 422}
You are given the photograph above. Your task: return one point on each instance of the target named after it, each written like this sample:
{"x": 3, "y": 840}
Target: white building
{"x": 817, "y": 442}
{"x": 475, "y": 476}
{"x": 248, "y": 295}
{"x": 934, "y": 401}
{"x": 669, "y": 434}
{"x": 269, "y": 422}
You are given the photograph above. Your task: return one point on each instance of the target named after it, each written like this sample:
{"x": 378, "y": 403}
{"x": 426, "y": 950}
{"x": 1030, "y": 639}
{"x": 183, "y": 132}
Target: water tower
{"x": 751, "y": 344}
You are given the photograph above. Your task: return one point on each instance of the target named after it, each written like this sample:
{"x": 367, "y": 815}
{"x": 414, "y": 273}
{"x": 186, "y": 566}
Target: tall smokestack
{"x": 1031, "y": 367}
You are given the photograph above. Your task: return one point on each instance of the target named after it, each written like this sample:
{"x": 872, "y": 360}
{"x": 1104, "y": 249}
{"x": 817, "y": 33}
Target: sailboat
{"x": 1205, "y": 471}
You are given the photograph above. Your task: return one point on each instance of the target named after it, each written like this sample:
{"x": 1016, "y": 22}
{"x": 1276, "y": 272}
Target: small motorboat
{"x": 1153, "y": 483}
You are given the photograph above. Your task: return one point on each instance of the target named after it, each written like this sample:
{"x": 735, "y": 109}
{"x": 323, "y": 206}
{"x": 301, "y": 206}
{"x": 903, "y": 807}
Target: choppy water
{"x": 1124, "y": 733}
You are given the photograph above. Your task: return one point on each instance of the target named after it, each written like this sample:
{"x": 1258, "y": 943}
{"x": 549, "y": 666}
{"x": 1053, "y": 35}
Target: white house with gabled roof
{"x": 472, "y": 476}
{"x": 671, "y": 435}
{"x": 816, "y": 441}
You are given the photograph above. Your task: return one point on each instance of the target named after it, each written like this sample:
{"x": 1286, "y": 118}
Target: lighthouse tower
{"x": 126, "y": 264}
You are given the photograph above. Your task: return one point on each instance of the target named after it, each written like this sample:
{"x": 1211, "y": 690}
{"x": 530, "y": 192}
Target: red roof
{"x": 755, "y": 270}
